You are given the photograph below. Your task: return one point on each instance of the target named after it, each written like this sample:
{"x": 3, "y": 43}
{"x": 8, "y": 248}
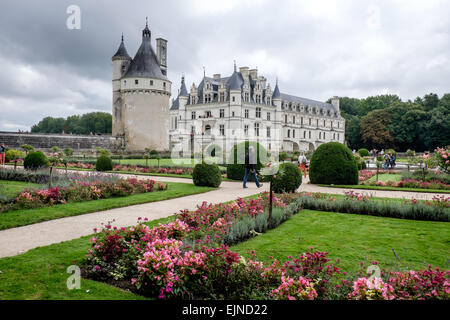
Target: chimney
{"x": 254, "y": 74}
{"x": 161, "y": 54}
{"x": 335, "y": 102}
{"x": 244, "y": 71}
{"x": 216, "y": 76}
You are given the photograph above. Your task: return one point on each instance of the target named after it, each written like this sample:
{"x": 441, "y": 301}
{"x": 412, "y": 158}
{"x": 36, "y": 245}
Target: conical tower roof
{"x": 145, "y": 63}
{"x": 121, "y": 52}
{"x": 276, "y": 92}
{"x": 183, "y": 90}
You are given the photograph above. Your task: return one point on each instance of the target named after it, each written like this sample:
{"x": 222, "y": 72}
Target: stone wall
{"x": 46, "y": 141}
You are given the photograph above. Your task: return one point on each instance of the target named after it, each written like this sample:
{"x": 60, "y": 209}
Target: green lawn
{"x": 41, "y": 274}
{"x": 13, "y": 188}
{"x": 387, "y": 177}
{"x": 24, "y": 217}
{"x": 355, "y": 238}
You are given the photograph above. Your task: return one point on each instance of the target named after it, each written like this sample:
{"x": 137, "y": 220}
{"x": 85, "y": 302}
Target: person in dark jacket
{"x": 250, "y": 161}
{"x": 2, "y": 154}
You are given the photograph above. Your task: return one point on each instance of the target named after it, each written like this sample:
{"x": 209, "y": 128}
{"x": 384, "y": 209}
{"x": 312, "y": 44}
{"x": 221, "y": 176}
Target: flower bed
{"x": 189, "y": 259}
{"x": 81, "y": 190}
{"x": 159, "y": 170}
{"x": 357, "y": 203}
{"x": 410, "y": 183}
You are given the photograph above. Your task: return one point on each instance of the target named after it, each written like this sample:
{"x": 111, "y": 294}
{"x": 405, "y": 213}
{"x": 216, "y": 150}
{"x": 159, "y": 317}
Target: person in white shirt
{"x": 302, "y": 162}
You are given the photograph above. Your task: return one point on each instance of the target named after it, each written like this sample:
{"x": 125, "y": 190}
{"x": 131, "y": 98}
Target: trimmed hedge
{"x": 333, "y": 163}
{"x": 236, "y": 163}
{"x": 207, "y": 175}
{"x": 363, "y": 152}
{"x": 35, "y": 160}
{"x": 104, "y": 163}
{"x": 289, "y": 178}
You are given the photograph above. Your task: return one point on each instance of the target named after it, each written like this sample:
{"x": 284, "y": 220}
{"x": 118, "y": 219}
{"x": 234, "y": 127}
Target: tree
{"x": 155, "y": 155}
{"x": 352, "y": 132}
{"x": 374, "y": 129}
{"x": 27, "y": 148}
{"x": 95, "y": 122}
{"x": 430, "y": 101}
{"x": 378, "y": 102}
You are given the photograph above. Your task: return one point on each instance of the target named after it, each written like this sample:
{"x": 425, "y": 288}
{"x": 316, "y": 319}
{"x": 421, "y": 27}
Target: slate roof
{"x": 295, "y": 99}
{"x": 236, "y": 82}
{"x": 122, "y": 52}
{"x": 145, "y": 64}
{"x": 276, "y": 92}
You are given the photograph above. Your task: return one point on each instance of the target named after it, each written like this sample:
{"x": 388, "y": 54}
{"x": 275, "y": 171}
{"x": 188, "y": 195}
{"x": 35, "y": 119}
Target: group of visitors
{"x": 389, "y": 161}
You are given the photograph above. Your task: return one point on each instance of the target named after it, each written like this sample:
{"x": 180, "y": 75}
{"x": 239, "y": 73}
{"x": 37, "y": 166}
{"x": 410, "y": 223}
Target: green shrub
{"x": 333, "y": 163}
{"x": 363, "y": 152}
{"x": 289, "y": 178}
{"x": 207, "y": 175}
{"x": 236, "y": 163}
{"x": 390, "y": 151}
{"x": 104, "y": 163}
{"x": 360, "y": 162}
{"x": 13, "y": 154}
{"x": 35, "y": 160}
{"x": 283, "y": 156}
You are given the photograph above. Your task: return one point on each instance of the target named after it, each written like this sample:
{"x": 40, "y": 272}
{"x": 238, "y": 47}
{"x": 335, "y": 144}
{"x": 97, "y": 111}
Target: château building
{"x": 222, "y": 111}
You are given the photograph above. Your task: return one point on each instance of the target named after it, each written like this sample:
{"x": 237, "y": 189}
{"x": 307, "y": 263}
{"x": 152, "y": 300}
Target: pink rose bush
{"x": 188, "y": 259}
{"x": 443, "y": 157}
{"x": 371, "y": 289}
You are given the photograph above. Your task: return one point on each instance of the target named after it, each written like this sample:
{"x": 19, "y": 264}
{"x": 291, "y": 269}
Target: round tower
{"x": 145, "y": 94}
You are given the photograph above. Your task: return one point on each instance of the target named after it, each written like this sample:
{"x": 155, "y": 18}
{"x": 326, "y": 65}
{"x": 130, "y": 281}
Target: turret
{"x": 183, "y": 96}
{"x": 121, "y": 61}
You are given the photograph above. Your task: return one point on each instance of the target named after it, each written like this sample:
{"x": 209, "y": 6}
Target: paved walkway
{"x": 18, "y": 240}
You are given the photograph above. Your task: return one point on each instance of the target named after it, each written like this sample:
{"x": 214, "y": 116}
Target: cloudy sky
{"x": 316, "y": 48}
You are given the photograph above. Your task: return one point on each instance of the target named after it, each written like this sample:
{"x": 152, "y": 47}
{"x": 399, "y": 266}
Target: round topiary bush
{"x": 288, "y": 179}
{"x": 207, "y": 175}
{"x": 236, "y": 161}
{"x": 13, "y": 154}
{"x": 363, "y": 152}
{"x": 104, "y": 163}
{"x": 333, "y": 163}
{"x": 35, "y": 160}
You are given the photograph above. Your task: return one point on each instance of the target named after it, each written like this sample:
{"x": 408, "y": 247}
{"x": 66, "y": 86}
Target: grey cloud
{"x": 316, "y": 48}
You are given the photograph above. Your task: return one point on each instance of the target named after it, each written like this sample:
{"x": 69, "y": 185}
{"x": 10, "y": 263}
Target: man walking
{"x": 302, "y": 163}
{"x": 250, "y": 161}
{"x": 2, "y": 154}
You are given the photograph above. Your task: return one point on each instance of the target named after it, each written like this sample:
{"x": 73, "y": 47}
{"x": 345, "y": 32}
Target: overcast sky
{"x": 317, "y": 49}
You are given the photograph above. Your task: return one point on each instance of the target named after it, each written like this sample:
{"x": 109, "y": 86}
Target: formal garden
{"x": 276, "y": 245}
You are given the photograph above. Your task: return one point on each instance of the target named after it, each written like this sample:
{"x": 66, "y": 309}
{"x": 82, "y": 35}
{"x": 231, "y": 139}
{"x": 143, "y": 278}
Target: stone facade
{"x": 141, "y": 93}
{"x": 223, "y": 111}
{"x": 47, "y": 141}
